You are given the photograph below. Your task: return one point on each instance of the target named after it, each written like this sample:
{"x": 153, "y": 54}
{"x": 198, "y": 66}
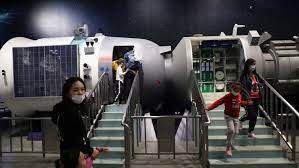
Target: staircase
{"x": 110, "y": 133}
{"x": 263, "y": 152}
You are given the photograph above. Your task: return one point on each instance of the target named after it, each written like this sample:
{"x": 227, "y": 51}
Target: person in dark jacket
{"x": 67, "y": 115}
{"x": 251, "y": 82}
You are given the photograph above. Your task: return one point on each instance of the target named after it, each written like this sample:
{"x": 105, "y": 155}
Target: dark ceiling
{"x": 162, "y": 21}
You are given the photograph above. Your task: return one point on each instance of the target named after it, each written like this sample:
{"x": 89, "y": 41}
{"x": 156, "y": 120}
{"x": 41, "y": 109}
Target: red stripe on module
{"x": 106, "y": 58}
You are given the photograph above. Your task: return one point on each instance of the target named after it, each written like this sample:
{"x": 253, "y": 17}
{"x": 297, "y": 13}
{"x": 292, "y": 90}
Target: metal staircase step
{"x": 115, "y": 108}
{"x": 219, "y": 112}
{"x": 252, "y": 163}
{"x": 221, "y": 130}
{"x": 110, "y": 123}
{"x": 108, "y": 141}
{"x": 243, "y": 140}
{"x": 266, "y": 151}
{"x": 109, "y": 131}
{"x": 108, "y": 163}
{"x": 219, "y": 121}
{"x": 113, "y": 115}
{"x": 113, "y": 153}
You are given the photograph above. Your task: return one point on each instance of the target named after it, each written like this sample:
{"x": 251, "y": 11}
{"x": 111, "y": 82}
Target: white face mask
{"x": 252, "y": 68}
{"x": 234, "y": 93}
{"x": 78, "y": 99}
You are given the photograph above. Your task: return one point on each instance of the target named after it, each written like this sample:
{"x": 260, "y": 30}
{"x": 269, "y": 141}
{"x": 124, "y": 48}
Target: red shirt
{"x": 255, "y": 91}
{"x": 231, "y": 103}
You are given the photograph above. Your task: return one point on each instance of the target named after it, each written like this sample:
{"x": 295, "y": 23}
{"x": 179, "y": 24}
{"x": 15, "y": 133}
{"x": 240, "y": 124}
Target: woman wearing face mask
{"x": 250, "y": 80}
{"x": 67, "y": 115}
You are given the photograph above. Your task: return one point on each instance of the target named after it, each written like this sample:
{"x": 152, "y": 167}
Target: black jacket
{"x": 246, "y": 82}
{"x": 71, "y": 128}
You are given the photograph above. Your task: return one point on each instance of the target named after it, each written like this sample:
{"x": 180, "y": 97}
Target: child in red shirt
{"x": 232, "y": 102}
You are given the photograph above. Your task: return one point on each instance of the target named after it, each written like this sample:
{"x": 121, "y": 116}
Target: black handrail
{"x": 130, "y": 109}
{"x": 278, "y": 111}
{"x": 200, "y": 106}
{"x": 96, "y": 99}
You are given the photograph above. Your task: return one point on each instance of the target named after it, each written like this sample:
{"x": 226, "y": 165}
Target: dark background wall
{"x": 162, "y": 21}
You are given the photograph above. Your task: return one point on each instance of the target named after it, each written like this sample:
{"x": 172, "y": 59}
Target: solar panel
{"x": 41, "y": 71}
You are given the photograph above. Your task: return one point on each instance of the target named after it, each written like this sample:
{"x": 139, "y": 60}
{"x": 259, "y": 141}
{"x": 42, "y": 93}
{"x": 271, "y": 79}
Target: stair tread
{"x": 113, "y": 112}
{"x": 250, "y": 161}
{"x": 114, "y": 149}
{"x": 108, "y": 161}
{"x": 239, "y": 137}
{"x": 242, "y": 110}
{"x": 109, "y": 129}
{"x": 110, "y": 120}
{"x": 112, "y": 138}
{"x": 222, "y": 118}
{"x": 118, "y": 105}
{"x": 211, "y": 127}
{"x": 248, "y": 148}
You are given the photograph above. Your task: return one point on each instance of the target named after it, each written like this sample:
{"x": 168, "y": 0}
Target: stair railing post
{"x": 131, "y": 131}
{"x": 206, "y": 146}
{"x": 43, "y": 139}
{"x": 126, "y": 148}
{"x": 1, "y": 142}
{"x": 293, "y": 132}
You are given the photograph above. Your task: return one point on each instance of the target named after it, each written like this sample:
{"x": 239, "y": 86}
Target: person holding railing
{"x": 120, "y": 76}
{"x": 251, "y": 82}
{"x": 232, "y": 102}
{"x": 67, "y": 115}
{"x": 115, "y": 65}
{"x": 133, "y": 65}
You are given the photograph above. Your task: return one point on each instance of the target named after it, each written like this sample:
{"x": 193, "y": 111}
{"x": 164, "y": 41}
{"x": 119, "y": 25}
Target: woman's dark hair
{"x": 68, "y": 84}
{"x": 70, "y": 158}
{"x": 247, "y": 64}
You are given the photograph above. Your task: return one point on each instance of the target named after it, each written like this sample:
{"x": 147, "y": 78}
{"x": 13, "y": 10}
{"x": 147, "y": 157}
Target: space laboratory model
{"x": 218, "y": 60}
{"x": 33, "y": 71}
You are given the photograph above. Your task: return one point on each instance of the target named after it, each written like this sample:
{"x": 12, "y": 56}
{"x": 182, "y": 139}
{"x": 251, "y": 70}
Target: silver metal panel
{"x": 284, "y": 68}
{"x": 269, "y": 67}
{"x": 294, "y": 68}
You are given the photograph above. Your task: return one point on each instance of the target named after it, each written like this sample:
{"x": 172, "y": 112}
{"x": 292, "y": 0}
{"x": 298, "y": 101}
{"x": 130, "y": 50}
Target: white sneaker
{"x": 251, "y": 135}
{"x": 233, "y": 147}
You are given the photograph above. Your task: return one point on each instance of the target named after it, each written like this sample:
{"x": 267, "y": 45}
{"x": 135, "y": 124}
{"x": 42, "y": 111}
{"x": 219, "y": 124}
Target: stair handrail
{"x": 96, "y": 99}
{"x": 130, "y": 109}
{"x": 123, "y": 122}
{"x": 200, "y": 106}
{"x": 267, "y": 106}
{"x": 197, "y": 98}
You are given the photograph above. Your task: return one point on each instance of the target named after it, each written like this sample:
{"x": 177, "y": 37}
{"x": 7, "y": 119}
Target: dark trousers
{"x": 251, "y": 114}
{"x": 128, "y": 81}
